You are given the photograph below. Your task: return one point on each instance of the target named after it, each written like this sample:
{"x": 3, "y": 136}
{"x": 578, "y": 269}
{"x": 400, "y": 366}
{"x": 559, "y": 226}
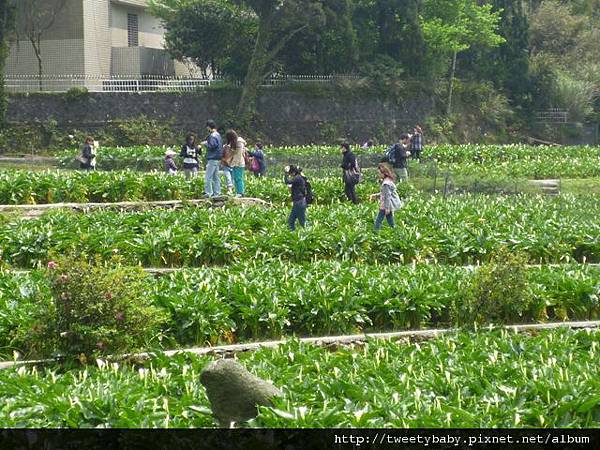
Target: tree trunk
{"x": 451, "y": 84}
{"x": 37, "y": 49}
{"x": 256, "y": 69}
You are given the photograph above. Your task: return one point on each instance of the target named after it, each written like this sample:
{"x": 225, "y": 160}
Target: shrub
{"x": 95, "y": 310}
{"x": 76, "y": 93}
{"x": 499, "y": 291}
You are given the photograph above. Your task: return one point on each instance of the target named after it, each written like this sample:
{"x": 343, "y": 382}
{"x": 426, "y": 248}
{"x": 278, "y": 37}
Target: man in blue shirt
{"x": 214, "y": 145}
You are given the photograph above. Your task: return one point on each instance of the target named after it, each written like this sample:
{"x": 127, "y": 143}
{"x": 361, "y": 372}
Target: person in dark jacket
{"x": 214, "y": 145}
{"x": 87, "y": 160}
{"x": 259, "y": 155}
{"x": 401, "y": 157}
{"x": 190, "y": 154}
{"x": 350, "y": 169}
{"x": 417, "y": 143}
{"x": 295, "y": 180}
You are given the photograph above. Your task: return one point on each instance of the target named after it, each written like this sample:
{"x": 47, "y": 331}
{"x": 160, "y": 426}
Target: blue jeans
{"x": 298, "y": 213}
{"x": 379, "y": 219}
{"x": 212, "y": 181}
{"x": 238, "y": 179}
{"x": 228, "y": 172}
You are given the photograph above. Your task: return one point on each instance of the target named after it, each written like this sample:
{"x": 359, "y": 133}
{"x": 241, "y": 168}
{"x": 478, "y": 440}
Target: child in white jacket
{"x": 389, "y": 201}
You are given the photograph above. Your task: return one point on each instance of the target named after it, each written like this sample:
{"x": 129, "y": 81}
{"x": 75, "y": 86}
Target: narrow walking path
{"x": 32, "y": 211}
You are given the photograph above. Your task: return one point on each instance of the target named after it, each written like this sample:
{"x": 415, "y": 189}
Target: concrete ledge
{"x": 225, "y": 350}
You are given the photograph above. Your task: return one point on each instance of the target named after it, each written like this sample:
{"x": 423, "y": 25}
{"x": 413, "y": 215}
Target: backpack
{"x": 255, "y": 167}
{"x": 390, "y": 154}
{"x": 308, "y": 194}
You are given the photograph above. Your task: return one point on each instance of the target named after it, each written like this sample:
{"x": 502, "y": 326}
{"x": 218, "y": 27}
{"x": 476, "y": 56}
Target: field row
{"x": 517, "y": 161}
{"x": 23, "y": 187}
{"x": 492, "y": 379}
{"x": 459, "y": 230}
{"x": 441, "y": 153}
{"x": 255, "y": 301}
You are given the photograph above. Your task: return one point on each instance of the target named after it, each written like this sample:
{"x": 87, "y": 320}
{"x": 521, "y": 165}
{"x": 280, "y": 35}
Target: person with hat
{"x": 170, "y": 166}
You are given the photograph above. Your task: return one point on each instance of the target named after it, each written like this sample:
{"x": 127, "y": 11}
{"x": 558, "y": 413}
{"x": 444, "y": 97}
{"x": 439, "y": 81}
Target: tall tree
{"x": 216, "y": 35}
{"x": 332, "y": 50}
{"x": 6, "y": 26}
{"x": 400, "y": 33}
{"x": 390, "y": 32}
{"x": 279, "y": 21}
{"x": 506, "y": 65}
{"x": 452, "y": 26}
{"x": 34, "y": 19}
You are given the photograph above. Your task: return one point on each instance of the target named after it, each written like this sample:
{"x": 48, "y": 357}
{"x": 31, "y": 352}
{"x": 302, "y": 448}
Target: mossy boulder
{"x": 235, "y": 393}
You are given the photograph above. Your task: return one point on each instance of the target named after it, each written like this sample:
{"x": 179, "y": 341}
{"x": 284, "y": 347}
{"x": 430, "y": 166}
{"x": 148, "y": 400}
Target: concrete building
{"x": 97, "y": 38}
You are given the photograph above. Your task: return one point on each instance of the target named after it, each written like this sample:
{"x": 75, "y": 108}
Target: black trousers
{"x": 350, "y": 190}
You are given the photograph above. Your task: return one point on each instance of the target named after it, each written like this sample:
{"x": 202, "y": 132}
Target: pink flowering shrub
{"x": 97, "y": 309}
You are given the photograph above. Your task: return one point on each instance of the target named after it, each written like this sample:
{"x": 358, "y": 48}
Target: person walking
{"x": 214, "y": 145}
{"x": 258, "y": 164}
{"x": 389, "y": 201}
{"x": 170, "y": 166}
{"x": 87, "y": 159}
{"x": 351, "y": 174}
{"x": 417, "y": 143}
{"x": 397, "y": 155}
{"x": 297, "y": 184}
{"x": 238, "y": 162}
{"x": 190, "y": 154}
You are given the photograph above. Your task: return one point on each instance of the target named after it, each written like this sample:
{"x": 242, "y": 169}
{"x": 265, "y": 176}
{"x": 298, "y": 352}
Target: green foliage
{"x": 41, "y": 137}
{"x": 76, "y": 94}
{"x": 332, "y": 50}
{"x": 575, "y": 95}
{"x": 6, "y": 26}
{"x": 455, "y": 25}
{"x": 494, "y": 379}
{"x": 96, "y": 309}
{"x": 462, "y": 229}
{"x": 499, "y": 292}
{"x": 238, "y": 303}
{"x": 507, "y": 65}
{"x": 216, "y": 35}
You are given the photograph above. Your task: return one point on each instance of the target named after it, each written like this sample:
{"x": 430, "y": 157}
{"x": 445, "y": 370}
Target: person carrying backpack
{"x": 258, "y": 163}
{"x": 190, "y": 154}
{"x": 301, "y": 195}
{"x": 351, "y": 173}
{"x": 397, "y": 155}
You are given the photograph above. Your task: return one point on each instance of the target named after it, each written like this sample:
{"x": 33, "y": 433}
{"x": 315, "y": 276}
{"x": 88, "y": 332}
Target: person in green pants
{"x": 238, "y": 148}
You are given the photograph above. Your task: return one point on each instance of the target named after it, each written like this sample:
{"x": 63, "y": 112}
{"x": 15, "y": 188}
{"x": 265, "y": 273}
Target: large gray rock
{"x": 235, "y": 393}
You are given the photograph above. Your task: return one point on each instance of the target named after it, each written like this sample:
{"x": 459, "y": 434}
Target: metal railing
{"x": 554, "y": 115}
{"x": 97, "y": 83}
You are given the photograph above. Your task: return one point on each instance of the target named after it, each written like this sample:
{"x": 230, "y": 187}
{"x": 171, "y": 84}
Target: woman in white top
{"x": 238, "y": 162}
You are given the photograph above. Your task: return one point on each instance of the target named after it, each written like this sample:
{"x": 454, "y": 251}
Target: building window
{"x": 132, "y": 30}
